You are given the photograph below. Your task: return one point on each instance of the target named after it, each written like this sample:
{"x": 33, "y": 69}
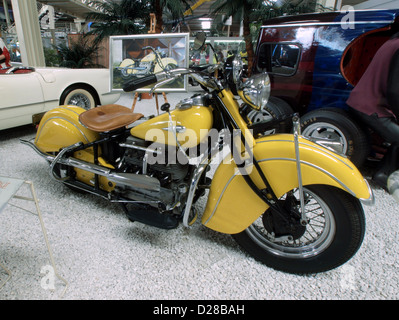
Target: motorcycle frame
{"x": 225, "y": 105}
{"x": 228, "y": 119}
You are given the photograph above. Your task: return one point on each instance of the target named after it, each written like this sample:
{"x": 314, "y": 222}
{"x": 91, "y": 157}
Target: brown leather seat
{"x": 108, "y": 117}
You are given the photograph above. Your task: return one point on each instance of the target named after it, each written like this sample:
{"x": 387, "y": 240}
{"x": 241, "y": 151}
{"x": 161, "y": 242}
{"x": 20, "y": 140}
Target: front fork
{"x": 269, "y": 198}
{"x": 297, "y": 133}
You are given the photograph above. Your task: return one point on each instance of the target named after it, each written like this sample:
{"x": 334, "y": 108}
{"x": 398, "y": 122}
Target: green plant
{"x": 51, "y": 57}
{"x": 173, "y": 8}
{"x": 272, "y": 9}
{"x": 118, "y": 18}
{"x": 80, "y": 53}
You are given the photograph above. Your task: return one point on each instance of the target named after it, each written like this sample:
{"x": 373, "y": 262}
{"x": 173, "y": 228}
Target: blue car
{"x": 314, "y": 61}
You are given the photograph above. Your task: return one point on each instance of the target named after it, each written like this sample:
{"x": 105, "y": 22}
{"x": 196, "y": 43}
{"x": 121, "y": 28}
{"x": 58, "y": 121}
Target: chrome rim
{"x": 80, "y": 100}
{"x": 319, "y": 234}
{"x": 327, "y": 135}
{"x": 256, "y": 116}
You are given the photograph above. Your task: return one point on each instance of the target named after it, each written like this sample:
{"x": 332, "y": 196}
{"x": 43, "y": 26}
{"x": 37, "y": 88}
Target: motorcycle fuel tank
{"x": 189, "y": 126}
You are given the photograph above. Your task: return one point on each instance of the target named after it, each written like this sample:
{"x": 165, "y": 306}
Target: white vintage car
{"x": 27, "y": 93}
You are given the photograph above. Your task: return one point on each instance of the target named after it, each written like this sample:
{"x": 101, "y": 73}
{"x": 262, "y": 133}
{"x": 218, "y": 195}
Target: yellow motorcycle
{"x": 289, "y": 202}
{"x": 154, "y": 62}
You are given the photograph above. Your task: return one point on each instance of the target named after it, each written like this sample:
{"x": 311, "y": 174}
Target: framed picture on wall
{"x": 136, "y": 56}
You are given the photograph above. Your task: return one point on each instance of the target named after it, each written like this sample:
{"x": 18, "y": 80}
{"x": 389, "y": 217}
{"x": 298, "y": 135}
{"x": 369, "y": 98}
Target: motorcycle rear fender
{"x": 233, "y": 206}
{"x": 60, "y": 127}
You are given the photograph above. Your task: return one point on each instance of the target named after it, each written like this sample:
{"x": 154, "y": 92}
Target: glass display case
{"x": 224, "y": 47}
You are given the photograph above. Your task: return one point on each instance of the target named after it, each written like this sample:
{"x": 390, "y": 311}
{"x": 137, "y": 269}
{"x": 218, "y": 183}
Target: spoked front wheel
{"x": 332, "y": 235}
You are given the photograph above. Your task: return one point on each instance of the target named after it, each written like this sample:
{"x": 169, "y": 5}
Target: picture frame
{"x": 143, "y": 54}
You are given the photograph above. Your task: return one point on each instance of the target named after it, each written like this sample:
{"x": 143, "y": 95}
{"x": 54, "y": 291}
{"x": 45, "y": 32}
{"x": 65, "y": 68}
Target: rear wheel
{"x": 334, "y": 232}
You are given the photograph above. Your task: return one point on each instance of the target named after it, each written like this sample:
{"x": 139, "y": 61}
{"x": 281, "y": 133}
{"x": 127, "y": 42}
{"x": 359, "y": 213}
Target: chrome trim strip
{"x": 58, "y": 117}
{"x": 62, "y": 107}
{"x": 220, "y": 197}
{"x": 316, "y": 167}
{"x": 318, "y": 147}
{"x": 371, "y": 200}
{"x": 336, "y": 23}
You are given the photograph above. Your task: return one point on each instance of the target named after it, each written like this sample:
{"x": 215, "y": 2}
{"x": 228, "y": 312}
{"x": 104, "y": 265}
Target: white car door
{"x": 21, "y": 97}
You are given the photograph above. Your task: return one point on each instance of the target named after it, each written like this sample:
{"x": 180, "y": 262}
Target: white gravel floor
{"x": 103, "y": 255}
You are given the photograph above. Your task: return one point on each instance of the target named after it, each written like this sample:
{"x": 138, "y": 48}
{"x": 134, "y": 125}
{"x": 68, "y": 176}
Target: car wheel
{"x": 274, "y": 109}
{"x": 334, "y": 129}
{"x": 79, "y": 96}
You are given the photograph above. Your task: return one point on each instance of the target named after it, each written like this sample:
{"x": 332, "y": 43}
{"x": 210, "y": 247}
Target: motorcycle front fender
{"x": 233, "y": 206}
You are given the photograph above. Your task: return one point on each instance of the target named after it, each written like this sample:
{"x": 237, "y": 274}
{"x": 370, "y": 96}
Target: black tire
{"x": 81, "y": 96}
{"x": 335, "y": 129}
{"x": 275, "y": 109}
{"x": 337, "y": 242}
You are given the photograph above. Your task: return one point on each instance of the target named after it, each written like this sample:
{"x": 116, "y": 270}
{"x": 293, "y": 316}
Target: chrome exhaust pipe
{"x": 132, "y": 180}
{"x": 46, "y": 156}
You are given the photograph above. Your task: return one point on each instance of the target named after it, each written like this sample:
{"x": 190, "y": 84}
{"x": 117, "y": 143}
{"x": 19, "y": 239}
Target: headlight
{"x": 256, "y": 90}
{"x": 233, "y": 68}
{"x": 237, "y": 66}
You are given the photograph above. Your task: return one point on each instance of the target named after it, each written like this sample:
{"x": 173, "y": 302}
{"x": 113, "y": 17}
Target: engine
{"x": 173, "y": 177}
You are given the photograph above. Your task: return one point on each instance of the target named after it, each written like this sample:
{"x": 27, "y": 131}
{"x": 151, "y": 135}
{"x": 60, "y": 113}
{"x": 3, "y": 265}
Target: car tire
{"x": 336, "y": 130}
{"x": 79, "y": 96}
{"x": 275, "y": 109}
